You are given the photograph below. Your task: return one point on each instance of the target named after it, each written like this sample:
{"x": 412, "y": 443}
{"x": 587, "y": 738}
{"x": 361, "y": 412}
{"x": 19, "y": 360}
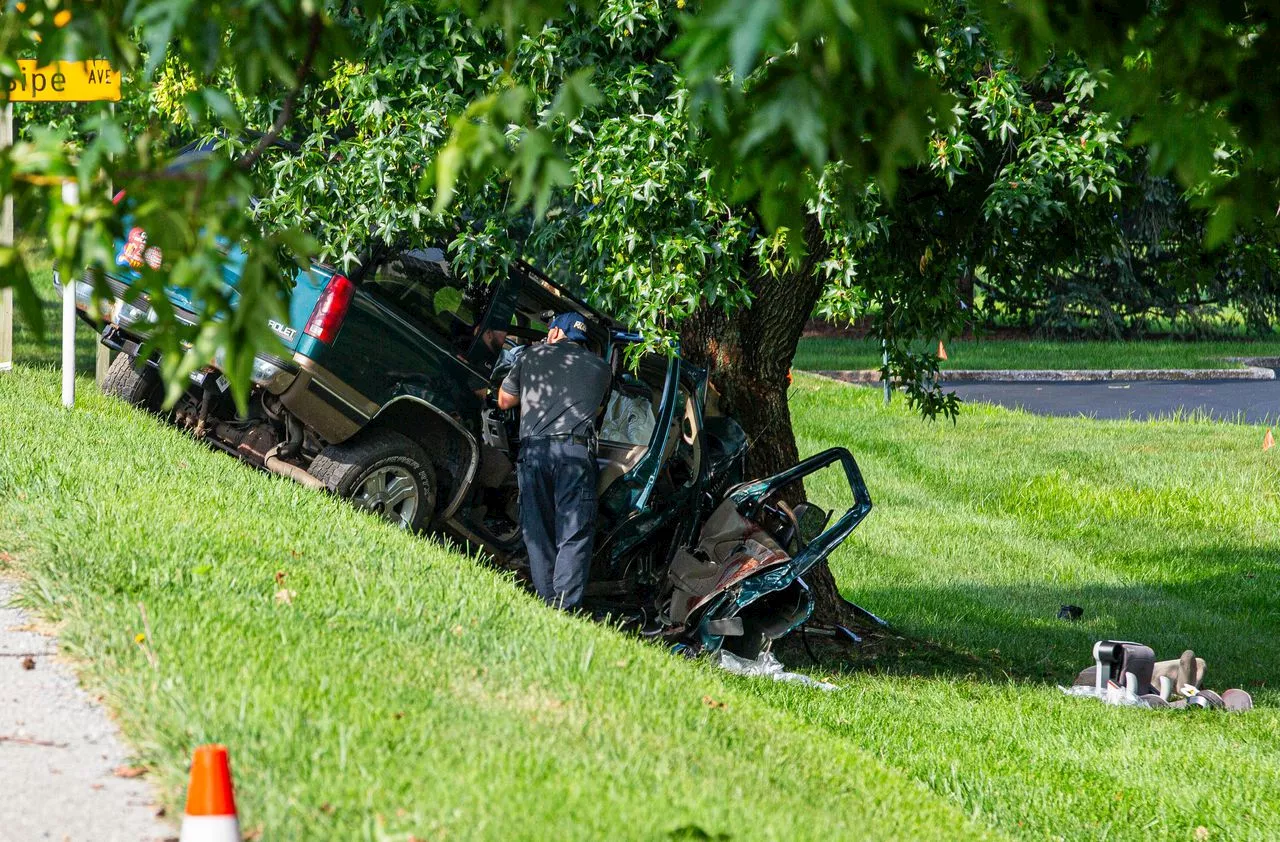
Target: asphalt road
{"x": 1254, "y": 401}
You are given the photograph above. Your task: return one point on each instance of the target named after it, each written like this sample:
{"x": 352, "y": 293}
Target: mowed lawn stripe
{"x": 395, "y": 686}
{"x": 1165, "y": 532}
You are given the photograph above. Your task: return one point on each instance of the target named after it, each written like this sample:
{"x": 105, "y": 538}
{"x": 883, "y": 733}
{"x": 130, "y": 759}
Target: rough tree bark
{"x": 748, "y": 353}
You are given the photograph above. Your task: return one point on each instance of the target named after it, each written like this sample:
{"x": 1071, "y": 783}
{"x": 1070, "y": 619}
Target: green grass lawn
{"x": 820, "y": 353}
{"x": 1164, "y": 532}
{"x": 405, "y": 689}
{"x": 30, "y": 348}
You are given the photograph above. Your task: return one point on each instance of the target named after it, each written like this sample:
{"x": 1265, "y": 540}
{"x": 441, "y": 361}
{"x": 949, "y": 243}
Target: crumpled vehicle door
{"x": 740, "y": 586}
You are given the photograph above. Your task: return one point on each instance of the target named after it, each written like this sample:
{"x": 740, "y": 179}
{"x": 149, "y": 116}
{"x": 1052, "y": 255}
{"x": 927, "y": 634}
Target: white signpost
{"x": 6, "y": 239}
{"x": 64, "y": 81}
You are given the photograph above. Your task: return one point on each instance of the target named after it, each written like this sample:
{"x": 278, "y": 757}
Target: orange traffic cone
{"x": 211, "y": 807}
{"x": 942, "y": 352}
{"x": 1268, "y": 441}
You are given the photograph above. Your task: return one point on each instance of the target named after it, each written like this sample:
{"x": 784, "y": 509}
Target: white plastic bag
{"x": 767, "y": 665}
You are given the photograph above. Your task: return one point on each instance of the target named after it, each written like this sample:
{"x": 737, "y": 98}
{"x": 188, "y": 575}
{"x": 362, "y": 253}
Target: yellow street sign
{"x": 65, "y": 81}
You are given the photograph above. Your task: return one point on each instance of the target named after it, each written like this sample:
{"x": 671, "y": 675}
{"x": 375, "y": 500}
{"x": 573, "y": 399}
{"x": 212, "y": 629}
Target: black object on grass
{"x": 1070, "y": 612}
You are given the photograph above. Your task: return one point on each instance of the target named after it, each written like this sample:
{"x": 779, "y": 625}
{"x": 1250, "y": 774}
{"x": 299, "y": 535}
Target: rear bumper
{"x": 124, "y": 322}
{"x": 124, "y": 308}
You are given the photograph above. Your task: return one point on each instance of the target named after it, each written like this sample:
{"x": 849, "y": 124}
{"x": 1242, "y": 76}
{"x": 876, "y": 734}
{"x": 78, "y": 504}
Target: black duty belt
{"x": 571, "y": 438}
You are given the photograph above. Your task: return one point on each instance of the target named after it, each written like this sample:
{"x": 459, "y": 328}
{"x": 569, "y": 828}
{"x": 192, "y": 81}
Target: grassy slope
{"x": 406, "y": 682}
{"x": 403, "y": 681}
{"x": 816, "y": 354}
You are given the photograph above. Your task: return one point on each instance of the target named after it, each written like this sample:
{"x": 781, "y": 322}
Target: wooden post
{"x": 6, "y": 239}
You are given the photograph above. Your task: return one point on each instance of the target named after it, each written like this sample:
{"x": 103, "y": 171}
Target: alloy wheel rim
{"x": 390, "y": 492}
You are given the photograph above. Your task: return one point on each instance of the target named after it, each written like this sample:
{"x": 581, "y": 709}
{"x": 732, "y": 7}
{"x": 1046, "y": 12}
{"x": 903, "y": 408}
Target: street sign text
{"x": 65, "y": 81}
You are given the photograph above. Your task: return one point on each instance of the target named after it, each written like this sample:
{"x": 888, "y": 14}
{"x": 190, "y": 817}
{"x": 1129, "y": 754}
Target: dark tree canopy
{"x": 658, "y": 150}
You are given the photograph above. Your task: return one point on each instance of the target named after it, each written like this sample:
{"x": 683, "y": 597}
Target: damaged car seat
{"x": 731, "y": 550}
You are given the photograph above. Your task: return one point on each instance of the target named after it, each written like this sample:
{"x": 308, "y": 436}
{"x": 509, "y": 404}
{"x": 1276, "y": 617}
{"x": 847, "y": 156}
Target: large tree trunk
{"x": 748, "y": 353}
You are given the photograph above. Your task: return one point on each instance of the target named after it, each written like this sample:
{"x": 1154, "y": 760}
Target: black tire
{"x": 355, "y": 469}
{"x": 134, "y": 382}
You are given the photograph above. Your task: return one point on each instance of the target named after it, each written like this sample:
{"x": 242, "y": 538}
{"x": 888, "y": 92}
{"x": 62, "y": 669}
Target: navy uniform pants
{"x": 558, "y": 516}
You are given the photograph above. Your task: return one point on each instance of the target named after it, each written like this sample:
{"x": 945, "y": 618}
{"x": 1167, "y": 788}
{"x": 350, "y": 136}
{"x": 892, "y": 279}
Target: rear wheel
{"x": 384, "y": 472}
{"x": 135, "y": 382}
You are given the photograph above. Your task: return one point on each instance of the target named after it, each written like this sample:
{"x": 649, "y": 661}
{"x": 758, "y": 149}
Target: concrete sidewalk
{"x": 59, "y": 751}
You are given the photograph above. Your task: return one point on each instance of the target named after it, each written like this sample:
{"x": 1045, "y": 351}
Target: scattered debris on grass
{"x": 767, "y": 665}
{"x": 1127, "y": 674}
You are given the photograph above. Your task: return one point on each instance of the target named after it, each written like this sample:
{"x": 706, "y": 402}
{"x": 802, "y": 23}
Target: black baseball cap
{"x": 574, "y": 326}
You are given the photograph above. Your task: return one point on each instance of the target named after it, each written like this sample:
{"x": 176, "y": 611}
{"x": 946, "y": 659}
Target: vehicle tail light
{"x": 330, "y": 310}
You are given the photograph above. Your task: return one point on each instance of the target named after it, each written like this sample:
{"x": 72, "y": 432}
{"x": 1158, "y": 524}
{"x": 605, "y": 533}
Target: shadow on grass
{"x": 46, "y": 350}
{"x": 1222, "y": 601}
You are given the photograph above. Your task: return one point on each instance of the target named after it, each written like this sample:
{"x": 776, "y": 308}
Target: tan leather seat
{"x": 620, "y": 458}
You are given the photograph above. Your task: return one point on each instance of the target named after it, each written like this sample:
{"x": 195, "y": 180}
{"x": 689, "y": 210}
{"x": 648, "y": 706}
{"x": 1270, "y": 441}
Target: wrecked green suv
{"x": 381, "y": 391}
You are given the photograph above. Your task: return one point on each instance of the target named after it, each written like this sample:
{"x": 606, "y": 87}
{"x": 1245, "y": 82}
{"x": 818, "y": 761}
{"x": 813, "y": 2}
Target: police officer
{"x": 559, "y": 386}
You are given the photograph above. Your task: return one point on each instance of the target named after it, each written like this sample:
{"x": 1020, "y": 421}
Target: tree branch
{"x": 286, "y": 111}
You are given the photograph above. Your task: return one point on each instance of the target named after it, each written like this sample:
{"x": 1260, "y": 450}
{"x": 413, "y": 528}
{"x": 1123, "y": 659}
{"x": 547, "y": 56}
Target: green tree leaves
{"x": 206, "y": 62}
{"x": 661, "y": 155}
{"x": 785, "y": 87}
